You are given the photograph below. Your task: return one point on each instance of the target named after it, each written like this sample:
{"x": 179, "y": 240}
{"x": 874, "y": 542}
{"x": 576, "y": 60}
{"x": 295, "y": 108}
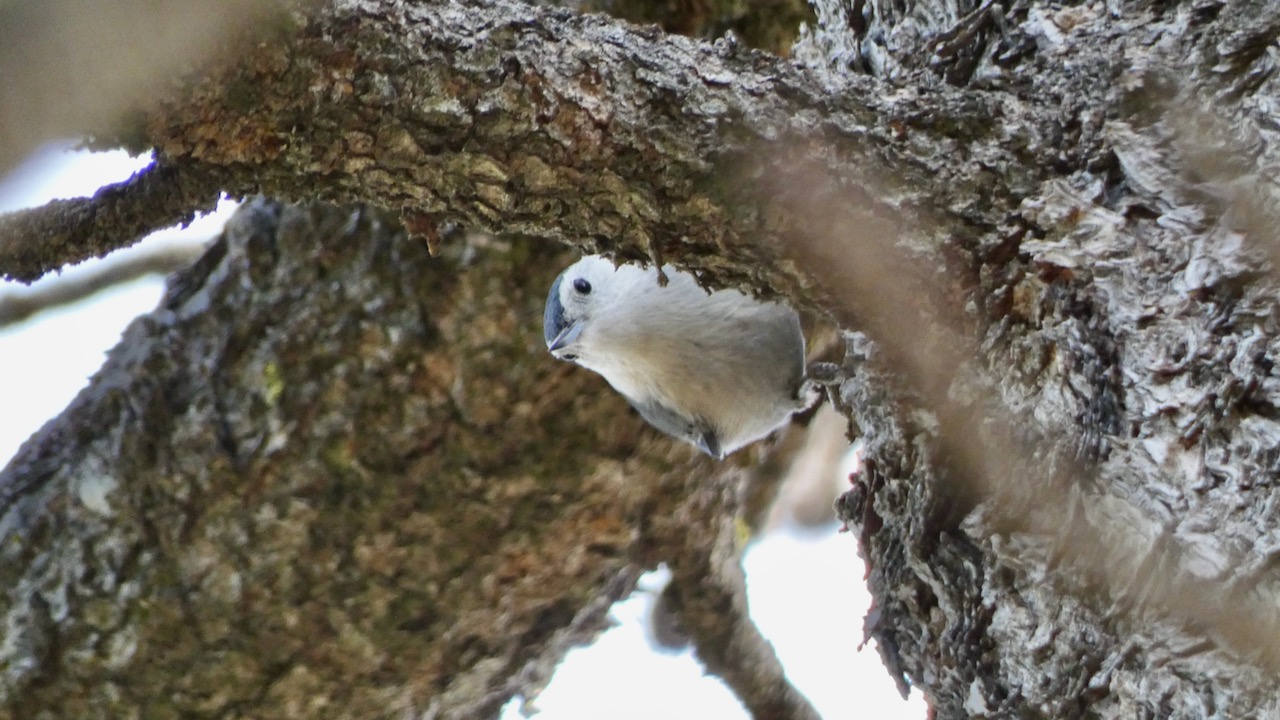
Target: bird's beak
{"x": 567, "y": 336}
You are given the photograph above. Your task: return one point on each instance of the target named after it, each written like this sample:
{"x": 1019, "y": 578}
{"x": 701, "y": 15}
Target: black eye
{"x": 582, "y": 286}
{"x": 569, "y": 357}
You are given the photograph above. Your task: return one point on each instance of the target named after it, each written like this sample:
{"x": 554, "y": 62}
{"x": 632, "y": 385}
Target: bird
{"x": 717, "y": 369}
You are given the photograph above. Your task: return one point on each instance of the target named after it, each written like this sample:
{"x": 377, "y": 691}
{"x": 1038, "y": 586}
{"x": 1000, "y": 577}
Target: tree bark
{"x": 1052, "y": 229}
{"x": 304, "y": 487}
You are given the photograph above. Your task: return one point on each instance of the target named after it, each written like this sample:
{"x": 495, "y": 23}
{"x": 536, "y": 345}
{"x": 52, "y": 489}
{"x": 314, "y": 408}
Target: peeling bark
{"x": 1125, "y": 452}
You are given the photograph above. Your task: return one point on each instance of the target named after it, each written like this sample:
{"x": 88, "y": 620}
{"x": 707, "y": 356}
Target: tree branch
{"x": 507, "y": 118}
{"x": 122, "y": 267}
{"x": 713, "y": 611}
{"x": 39, "y": 240}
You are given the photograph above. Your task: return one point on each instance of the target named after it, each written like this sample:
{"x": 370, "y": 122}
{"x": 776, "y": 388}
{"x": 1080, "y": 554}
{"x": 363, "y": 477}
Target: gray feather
{"x": 696, "y": 432}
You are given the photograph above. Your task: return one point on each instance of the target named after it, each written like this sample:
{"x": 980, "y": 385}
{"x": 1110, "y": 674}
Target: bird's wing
{"x": 694, "y": 431}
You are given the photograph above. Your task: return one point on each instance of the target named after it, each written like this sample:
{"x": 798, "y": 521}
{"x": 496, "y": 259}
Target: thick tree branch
{"x": 508, "y": 118}
{"x": 1018, "y": 473}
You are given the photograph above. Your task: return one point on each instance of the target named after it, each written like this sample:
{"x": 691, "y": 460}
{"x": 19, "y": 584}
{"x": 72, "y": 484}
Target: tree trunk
{"x": 331, "y": 477}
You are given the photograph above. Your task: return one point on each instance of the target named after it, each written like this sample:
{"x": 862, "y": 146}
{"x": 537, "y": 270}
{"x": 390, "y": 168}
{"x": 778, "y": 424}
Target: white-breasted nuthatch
{"x": 719, "y": 370}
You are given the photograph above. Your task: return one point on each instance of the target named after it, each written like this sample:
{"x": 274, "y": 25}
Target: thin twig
{"x": 18, "y": 304}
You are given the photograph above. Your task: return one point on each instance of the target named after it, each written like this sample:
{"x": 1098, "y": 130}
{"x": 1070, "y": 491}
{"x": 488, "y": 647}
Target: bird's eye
{"x": 582, "y": 286}
{"x": 569, "y": 357}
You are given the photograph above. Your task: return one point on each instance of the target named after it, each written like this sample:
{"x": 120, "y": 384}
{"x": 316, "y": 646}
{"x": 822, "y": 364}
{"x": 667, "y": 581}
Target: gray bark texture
{"x": 333, "y": 476}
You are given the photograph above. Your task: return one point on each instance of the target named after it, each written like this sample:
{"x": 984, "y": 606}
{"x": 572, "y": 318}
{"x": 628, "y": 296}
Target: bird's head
{"x": 578, "y": 297}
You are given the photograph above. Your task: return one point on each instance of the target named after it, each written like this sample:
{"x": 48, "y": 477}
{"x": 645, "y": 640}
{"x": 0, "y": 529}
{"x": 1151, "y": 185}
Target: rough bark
{"x": 1054, "y": 225}
{"x": 37, "y": 240}
{"x": 303, "y": 487}
{"x": 771, "y": 25}
{"x": 1119, "y": 565}
{"x": 573, "y": 128}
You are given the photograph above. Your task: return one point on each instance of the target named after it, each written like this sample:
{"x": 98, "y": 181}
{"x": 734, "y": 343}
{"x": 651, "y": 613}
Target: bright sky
{"x": 804, "y": 589}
